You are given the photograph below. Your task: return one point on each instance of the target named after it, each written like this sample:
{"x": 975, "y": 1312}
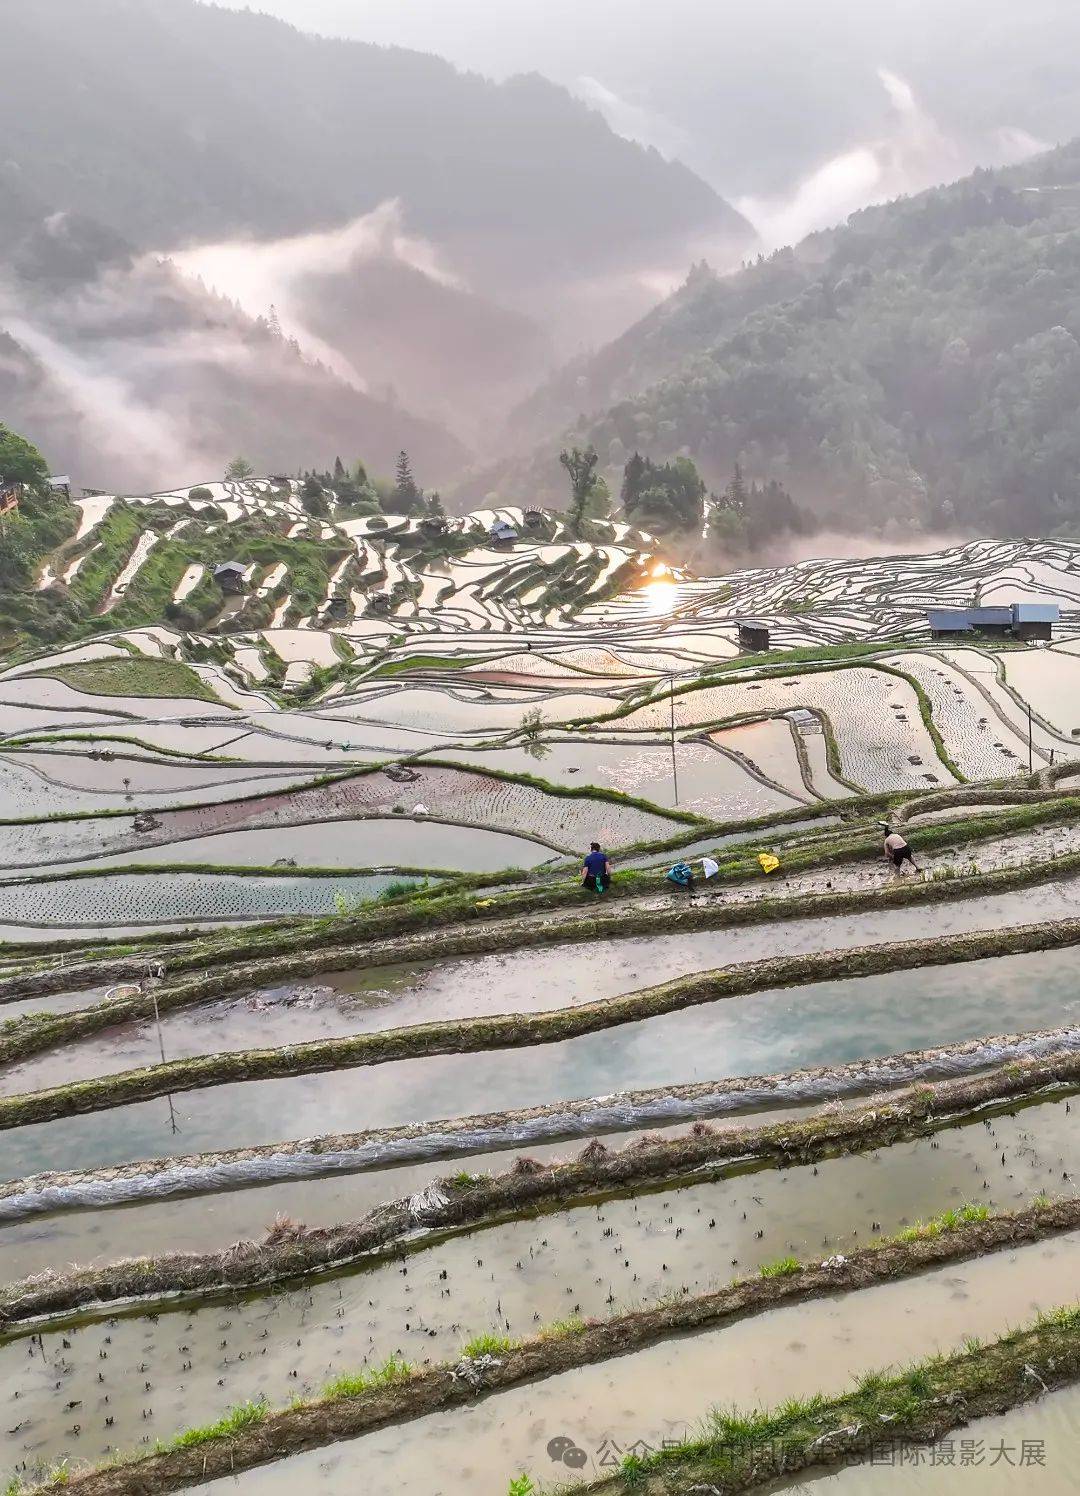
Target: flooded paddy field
{"x": 591, "y": 1260}
{"x": 375, "y": 841}
{"x": 210, "y": 1222}
{"x": 665, "y": 1391}
{"x": 528, "y": 980}
{"x": 174, "y": 898}
{"x": 42, "y": 784}
{"x": 708, "y": 782}
{"x": 455, "y": 794}
{"x": 822, "y": 1024}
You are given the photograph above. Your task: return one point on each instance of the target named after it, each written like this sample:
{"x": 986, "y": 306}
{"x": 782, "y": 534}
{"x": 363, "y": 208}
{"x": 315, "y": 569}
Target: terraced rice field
{"x": 349, "y": 1143}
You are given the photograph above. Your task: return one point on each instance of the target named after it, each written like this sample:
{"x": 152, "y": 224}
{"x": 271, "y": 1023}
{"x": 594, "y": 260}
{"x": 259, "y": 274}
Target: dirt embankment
{"x": 427, "y": 1390}
{"x": 291, "y": 1252}
{"x": 520, "y": 1030}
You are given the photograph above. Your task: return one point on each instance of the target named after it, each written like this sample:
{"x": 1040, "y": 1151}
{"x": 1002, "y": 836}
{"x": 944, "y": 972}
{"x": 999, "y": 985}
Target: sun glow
{"x": 660, "y": 597}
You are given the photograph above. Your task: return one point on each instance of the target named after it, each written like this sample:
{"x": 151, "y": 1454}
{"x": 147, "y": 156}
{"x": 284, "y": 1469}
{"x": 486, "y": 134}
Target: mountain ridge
{"x": 919, "y": 365}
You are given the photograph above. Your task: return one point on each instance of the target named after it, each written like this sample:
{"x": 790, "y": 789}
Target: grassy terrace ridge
{"x": 747, "y": 1451}
{"x": 304, "y": 947}
{"x": 473, "y": 1035}
{"x": 422, "y": 662}
{"x": 150, "y": 751}
{"x": 353, "y": 1404}
{"x": 145, "y": 675}
{"x": 475, "y": 1202}
{"x": 459, "y": 906}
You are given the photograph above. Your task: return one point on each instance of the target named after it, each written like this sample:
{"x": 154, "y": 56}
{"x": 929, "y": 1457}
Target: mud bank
{"x": 929, "y": 1159}
{"x": 521, "y": 1030}
{"x": 412, "y": 1393}
{"x": 529, "y": 980}
{"x": 1039, "y": 1063}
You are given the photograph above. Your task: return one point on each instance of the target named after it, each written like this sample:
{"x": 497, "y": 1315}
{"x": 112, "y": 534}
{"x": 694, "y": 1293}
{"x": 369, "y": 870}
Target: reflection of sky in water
{"x": 827, "y": 1023}
{"x": 503, "y": 982}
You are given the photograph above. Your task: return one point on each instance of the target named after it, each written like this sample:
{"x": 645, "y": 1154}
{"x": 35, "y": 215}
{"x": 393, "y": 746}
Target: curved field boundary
{"x": 35, "y": 739}
{"x": 528, "y": 781}
{"x": 1014, "y": 695}
{"x": 1032, "y": 1063}
{"x": 404, "y": 1392}
{"x": 505, "y": 1030}
{"x": 474, "y": 1202}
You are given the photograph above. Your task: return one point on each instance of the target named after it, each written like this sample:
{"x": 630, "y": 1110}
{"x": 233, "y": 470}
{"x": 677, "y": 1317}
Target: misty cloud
{"x": 635, "y": 121}
{"x": 915, "y": 154}
{"x": 100, "y": 392}
{"x": 260, "y": 274}
{"x": 138, "y": 379}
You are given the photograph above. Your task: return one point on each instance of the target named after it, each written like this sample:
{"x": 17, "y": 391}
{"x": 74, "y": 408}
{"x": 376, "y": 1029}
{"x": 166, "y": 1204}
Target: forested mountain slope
{"x": 172, "y": 121}
{"x": 921, "y": 363}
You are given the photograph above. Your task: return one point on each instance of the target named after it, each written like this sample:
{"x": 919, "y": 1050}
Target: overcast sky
{"x": 758, "y": 94}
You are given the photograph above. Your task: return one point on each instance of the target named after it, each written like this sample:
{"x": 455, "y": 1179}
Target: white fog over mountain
{"x": 368, "y": 224}
{"x": 779, "y": 105}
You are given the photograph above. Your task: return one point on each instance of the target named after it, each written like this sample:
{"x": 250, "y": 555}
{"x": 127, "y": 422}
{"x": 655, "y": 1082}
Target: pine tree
{"x": 735, "y": 494}
{"x": 581, "y": 467}
{"x": 633, "y": 483}
{"x": 407, "y": 497}
{"x": 339, "y": 470}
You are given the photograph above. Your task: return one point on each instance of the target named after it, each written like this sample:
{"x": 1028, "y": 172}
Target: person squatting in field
{"x": 596, "y": 869}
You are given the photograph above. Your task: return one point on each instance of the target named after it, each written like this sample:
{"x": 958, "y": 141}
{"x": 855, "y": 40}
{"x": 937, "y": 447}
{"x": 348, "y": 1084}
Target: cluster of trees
{"x": 670, "y": 500}
{"x": 663, "y": 498}
{"x": 43, "y": 519}
{"x": 748, "y": 519}
{"x": 360, "y": 494}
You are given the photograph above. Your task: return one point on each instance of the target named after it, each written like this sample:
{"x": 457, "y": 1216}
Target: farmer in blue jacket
{"x": 596, "y": 869}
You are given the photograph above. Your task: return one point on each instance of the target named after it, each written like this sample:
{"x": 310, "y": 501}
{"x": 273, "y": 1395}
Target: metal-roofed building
{"x": 1035, "y": 620}
{"x": 1015, "y": 620}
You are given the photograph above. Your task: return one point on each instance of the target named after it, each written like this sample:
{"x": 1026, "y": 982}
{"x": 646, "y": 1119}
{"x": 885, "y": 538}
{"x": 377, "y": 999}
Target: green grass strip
{"x": 145, "y": 676}
{"x": 739, "y": 1451}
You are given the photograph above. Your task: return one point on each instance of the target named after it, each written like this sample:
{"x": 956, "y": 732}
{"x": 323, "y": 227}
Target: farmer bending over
{"x": 596, "y": 869}
{"x": 897, "y": 850}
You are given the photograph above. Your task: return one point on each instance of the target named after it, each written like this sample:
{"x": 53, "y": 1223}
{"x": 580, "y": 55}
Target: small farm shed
{"x": 753, "y": 637}
{"x": 231, "y": 576}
